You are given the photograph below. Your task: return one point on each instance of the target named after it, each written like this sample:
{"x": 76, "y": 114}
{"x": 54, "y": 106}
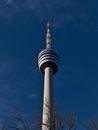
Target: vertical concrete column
{"x": 47, "y": 99}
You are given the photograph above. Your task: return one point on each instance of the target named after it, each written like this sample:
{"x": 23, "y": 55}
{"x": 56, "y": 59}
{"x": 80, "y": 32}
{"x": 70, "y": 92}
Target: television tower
{"x": 47, "y": 61}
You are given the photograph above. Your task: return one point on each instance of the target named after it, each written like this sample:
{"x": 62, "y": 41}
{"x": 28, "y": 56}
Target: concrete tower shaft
{"x": 47, "y": 61}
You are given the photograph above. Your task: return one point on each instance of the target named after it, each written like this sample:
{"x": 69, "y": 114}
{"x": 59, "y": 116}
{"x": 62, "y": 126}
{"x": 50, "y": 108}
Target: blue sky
{"x": 74, "y": 37}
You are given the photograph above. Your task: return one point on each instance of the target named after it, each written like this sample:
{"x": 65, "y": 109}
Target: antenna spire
{"x": 48, "y": 36}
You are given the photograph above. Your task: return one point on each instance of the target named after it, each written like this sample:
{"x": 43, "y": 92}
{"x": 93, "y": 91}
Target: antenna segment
{"x": 48, "y": 36}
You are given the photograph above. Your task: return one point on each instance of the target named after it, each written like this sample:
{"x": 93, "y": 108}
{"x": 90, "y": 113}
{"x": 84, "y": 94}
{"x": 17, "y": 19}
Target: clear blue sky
{"x": 74, "y": 37}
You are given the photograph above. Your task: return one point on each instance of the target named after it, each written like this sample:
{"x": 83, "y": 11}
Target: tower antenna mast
{"x": 48, "y": 35}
